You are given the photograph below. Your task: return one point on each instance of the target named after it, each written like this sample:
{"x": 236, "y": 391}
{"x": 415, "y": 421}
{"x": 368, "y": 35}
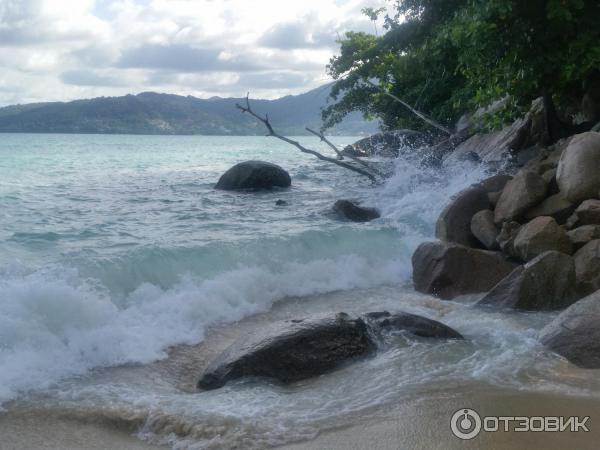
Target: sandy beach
{"x": 417, "y": 424}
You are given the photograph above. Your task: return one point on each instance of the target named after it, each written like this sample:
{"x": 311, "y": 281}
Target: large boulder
{"x": 293, "y": 350}
{"x": 583, "y": 234}
{"x": 254, "y": 175}
{"x": 575, "y": 333}
{"x": 454, "y": 223}
{"x": 524, "y": 191}
{"x": 351, "y": 211}
{"x": 541, "y": 235}
{"x": 578, "y": 168}
{"x": 544, "y": 283}
{"x": 449, "y": 270}
{"x": 484, "y": 229}
{"x": 555, "y": 206}
{"x": 587, "y": 267}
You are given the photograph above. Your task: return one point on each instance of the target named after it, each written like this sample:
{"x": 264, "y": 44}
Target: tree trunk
{"x": 555, "y": 128}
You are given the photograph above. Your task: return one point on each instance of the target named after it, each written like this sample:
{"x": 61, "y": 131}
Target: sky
{"x": 60, "y": 50}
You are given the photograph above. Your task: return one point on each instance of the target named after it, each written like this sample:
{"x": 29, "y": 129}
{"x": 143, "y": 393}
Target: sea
{"x": 123, "y": 272}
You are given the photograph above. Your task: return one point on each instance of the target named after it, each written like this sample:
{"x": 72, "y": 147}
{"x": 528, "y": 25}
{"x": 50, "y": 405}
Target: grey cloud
{"x": 183, "y": 58}
{"x": 296, "y": 35}
{"x": 89, "y": 78}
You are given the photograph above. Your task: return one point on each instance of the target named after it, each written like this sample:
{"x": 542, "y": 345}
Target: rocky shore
{"x": 529, "y": 240}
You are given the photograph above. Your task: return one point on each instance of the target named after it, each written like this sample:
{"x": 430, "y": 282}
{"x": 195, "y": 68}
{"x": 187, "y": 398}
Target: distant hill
{"x": 152, "y": 113}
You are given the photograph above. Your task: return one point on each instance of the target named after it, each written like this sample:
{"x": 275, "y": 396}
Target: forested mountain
{"x": 153, "y": 113}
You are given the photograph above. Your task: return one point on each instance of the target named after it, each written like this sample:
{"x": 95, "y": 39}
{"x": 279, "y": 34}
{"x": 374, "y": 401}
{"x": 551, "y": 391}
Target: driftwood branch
{"x": 271, "y": 132}
{"x": 357, "y": 160}
{"x": 419, "y": 114}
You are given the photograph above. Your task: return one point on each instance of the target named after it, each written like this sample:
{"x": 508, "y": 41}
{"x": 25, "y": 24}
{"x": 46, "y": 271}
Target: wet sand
{"x": 417, "y": 424}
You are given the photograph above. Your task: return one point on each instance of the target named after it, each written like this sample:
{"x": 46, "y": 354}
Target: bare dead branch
{"x": 357, "y": 160}
{"x": 271, "y": 132}
{"x": 419, "y": 114}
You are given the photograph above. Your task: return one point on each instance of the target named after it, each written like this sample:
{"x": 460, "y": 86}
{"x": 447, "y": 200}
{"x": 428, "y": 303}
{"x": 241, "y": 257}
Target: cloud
{"x": 84, "y": 77}
{"x": 67, "y": 49}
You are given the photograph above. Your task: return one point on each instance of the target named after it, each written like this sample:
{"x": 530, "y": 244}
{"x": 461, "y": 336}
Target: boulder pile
{"x": 532, "y": 240}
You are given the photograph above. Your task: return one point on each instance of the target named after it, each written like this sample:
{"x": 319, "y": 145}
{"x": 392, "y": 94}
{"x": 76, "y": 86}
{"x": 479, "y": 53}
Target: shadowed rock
{"x": 579, "y": 166}
{"x": 540, "y": 235}
{"x": 484, "y": 229}
{"x": 587, "y": 267}
{"x": 351, "y": 211}
{"x": 293, "y": 350}
{"x": 547, "y": 282}
{"x": 254, "y": 175}
{"x": 450, "y": 270}
{"x": 524, "y": 191}
{"x": 575, "y": 333}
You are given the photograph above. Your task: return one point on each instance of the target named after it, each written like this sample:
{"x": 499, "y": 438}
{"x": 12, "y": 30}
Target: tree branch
{"x": 271, "y": 132}
{"x": 419, "y": 114}
{"x": 357, "y": 160}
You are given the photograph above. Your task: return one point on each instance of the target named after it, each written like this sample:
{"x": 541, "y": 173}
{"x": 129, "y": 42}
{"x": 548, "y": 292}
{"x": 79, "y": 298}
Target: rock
{"x": 484, "y": 229}
{"x": 386, "y": 144}
{"x": 575, "y": 333}
{"x": 587, "y": 267}
{"x": 404, "y": 322}
{"x": 449, "y": 270}
{"x": 254, "y": 175}
{"x": 579, "y": 166}
{"x": 554, "y": 206}
{"x": 506, "y": 238}
{"x": 549, "y": 177}
{"x": 546, "y": 282}
{"x": 281, "y": 203}
{"x": 353, "y": 212}
{"x": 493, "y": 198}
{"x": 291, "y": 350}
{"x": 524, "y": 191}
{"x": 454, "y": 223}
{"x": 541, "y": 235}
{"x": 495, "y": 183}
{"x": 588, "y": 213}
{"x": 584, "y": 234}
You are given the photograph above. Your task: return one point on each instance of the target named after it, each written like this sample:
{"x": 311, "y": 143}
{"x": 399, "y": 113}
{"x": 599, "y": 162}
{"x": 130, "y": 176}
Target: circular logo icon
{"x": 465, "y": 424}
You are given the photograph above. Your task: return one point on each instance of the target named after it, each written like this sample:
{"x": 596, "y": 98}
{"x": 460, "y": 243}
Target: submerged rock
{"x": 254, "y": 175}
{"x": 387, "y": 144}
{"x": 418, "y": 325}
{"x": 293, "y": 350}
{"x": 454, "y": 223}
{"x": 575, "y": 333}
{"x": 547, "y": 282}
{"x": 449, "y": 270}
{"x": 351, "y": 211}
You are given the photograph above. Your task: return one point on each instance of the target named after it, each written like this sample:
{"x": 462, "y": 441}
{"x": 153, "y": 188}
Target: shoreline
{"x": 418, "y": 422}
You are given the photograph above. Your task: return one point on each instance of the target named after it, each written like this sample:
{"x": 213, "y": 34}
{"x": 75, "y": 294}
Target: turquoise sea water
{"x": 114, "y": 249}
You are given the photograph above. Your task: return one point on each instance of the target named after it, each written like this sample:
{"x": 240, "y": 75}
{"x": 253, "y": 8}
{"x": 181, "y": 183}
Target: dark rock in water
{"x": 545, "y": 283}
{"x": 387, "y": 144}
{"x": 355, "y": 213}
{"x": 254, "y": 175}
{"x": 449, "y": 270}
{"x": 291, "y": 350}
{"x": 454, "y": 223}
{"x": 575, "y": 333}
{"x": 281, "y": 203}
{"x": 417, "y": 325}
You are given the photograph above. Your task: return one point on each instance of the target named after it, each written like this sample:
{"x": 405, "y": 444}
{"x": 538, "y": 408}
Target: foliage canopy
{"x": 445, "y": 57}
